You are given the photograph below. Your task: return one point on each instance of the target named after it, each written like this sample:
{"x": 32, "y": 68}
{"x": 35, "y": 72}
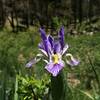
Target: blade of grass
{"x": 16, "y": 89}
{"x": 95, "y": 73}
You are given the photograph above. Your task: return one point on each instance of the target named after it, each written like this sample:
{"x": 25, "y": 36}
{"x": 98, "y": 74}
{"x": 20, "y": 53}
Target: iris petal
{"x": 30, "y": 63}
{"x": 72, "y": 61}
{"x": 51, "y": 40}
{"x": 61, "y": 37}
{"x": 34, "y": 61}
{"x": 57, "y": 47}
{"x": 41, "y": 46}
{"x": 54, "y": 69}
{"x": 44, "y": 39}
{"x": 47, "y": 43}
{"x": 43, "y": 34}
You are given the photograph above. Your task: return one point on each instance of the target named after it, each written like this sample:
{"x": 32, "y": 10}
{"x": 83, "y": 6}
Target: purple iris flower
{"x": 53, "y": 52}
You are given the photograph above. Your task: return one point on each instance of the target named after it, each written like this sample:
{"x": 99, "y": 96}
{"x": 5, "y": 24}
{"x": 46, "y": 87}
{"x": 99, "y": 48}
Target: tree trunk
{"x": 2, "y": 13}
{"x": 90, "y": 10}
{"x": 80, "y": 12}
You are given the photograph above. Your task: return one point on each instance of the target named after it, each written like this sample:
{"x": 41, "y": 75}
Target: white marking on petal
{"x": 65, "y": 49}
{"x": 70, "y": 55}
{"x": 37, "y": 60}
{"x": 45, "y": 61}
{"x": 44, "y": 52}
{"x": 39, "y": 55}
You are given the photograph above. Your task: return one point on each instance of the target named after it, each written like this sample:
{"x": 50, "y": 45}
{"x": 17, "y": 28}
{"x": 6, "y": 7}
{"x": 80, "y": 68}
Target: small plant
{"x": 52, "y": 52}
{"x": 31, "y": 88}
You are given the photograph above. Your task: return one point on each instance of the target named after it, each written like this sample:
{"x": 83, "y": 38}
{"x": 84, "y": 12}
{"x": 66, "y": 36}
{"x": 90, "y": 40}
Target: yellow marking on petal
{"x": 55, "y": 58}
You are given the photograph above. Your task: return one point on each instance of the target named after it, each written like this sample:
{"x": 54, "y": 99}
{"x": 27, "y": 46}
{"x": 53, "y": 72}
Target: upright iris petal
{"x": 45, "y": 40}
{"x": 61, "y": 37}
{"x": 51, "y": 40}
{"x": 46, "y": 45}
{"x": 43, "y": 34}
{"x": 57, "y": 47}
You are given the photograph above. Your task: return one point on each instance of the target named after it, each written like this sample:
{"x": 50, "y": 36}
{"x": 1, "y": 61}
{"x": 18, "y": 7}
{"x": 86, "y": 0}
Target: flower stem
{"x": 58, "y": 87}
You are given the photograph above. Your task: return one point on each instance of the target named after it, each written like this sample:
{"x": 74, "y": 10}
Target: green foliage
{"x": 56, "y": 23}
{"x": 31, "y": 88}
{"x": 14, "y": 52}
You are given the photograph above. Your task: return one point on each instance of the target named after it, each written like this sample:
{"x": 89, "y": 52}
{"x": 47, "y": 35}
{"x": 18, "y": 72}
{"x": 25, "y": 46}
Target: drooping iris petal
{"x": 30, "y": 63}
{"x": 34, "y": 61}
{"x": 72, "y": 61}
{"x": 61, "y": 37}
{"x": 51, "y": 40}
{"x": 57, "y": 47}
{"x": 54, "y": 69}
